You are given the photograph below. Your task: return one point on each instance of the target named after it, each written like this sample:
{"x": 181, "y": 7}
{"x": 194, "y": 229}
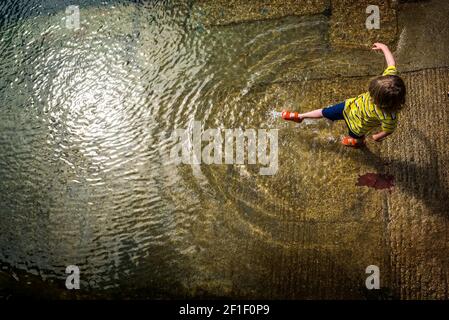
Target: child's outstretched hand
{"x": 379, "y": 46}
{"x": 387, "y": 53}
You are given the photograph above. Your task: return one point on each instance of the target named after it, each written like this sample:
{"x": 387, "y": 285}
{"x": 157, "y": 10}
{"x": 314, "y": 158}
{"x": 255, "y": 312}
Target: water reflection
{"x": 85, "y": 116}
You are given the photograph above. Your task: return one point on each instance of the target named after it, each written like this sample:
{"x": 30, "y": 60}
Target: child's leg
{"x": 315, "y": 114}
{"x": 296, "y": 117}
{"x": 332, "y": 113}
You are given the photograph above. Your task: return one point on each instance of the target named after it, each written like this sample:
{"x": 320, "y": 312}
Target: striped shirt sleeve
{"x": 390, "y": 71}
{"x": 389, "y": 125}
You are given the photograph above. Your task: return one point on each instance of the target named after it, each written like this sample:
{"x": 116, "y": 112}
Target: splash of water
{"x": 272, "y": 116}
{"x": 275, "y": 114}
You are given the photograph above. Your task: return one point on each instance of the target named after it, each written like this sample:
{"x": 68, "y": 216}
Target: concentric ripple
{"x": 84, "y": 134}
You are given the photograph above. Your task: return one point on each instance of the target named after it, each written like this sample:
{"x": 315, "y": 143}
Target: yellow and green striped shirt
{"x": 362, "y": 115}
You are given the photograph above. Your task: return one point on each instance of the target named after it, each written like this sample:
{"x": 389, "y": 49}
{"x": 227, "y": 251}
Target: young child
{"x": 379, "y": 107}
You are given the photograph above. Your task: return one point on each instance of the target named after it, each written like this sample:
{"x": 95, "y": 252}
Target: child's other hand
{"x": 379, "y": 46}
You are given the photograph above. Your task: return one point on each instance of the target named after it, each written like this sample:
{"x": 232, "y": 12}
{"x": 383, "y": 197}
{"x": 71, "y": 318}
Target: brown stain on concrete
{"x": 376, "y": 181}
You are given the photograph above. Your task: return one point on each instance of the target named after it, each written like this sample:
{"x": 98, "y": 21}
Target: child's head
{"x": 388, "y": 92}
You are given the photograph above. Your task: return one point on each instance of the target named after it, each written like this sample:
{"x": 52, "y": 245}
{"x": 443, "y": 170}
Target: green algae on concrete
{"x": 331, "y": 63}
{"x": 225, "y": 12}
{"x": 348, "y": 23}
{"x": 347, "y": 17}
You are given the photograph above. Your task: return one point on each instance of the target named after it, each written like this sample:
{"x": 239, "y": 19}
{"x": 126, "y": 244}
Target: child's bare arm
{"x": 387, "y": 53}
{"x": 380, "y": 136}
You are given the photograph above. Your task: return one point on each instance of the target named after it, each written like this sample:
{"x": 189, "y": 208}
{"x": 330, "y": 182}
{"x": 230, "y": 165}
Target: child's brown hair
{"x": 388, "y": 92}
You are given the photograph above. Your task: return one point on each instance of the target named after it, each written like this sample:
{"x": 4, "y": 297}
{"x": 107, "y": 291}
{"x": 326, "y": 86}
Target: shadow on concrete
{"x": 420, "y": 181}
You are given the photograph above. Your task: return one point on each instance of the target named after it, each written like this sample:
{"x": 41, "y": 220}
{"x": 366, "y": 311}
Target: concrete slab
{"x": 348, "y": 23}
{"x": 225, "y": 12}
{"x": 418, "y": 214}
{"x": 424, "y": 33}
{"x": 331, "y": 63}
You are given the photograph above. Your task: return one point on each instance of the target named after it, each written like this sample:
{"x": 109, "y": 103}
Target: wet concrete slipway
{"x": 83, "y": 117}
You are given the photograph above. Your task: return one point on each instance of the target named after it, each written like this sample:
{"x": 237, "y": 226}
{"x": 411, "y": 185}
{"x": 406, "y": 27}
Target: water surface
{"x": 85, "y": 122}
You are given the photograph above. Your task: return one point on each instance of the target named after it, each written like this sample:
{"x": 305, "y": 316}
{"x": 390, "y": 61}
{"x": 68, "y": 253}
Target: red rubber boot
{"x": 291, "y": 116}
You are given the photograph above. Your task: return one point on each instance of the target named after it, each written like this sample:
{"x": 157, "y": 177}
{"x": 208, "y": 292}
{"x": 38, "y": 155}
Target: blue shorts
{"x": 335, "y": 112}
